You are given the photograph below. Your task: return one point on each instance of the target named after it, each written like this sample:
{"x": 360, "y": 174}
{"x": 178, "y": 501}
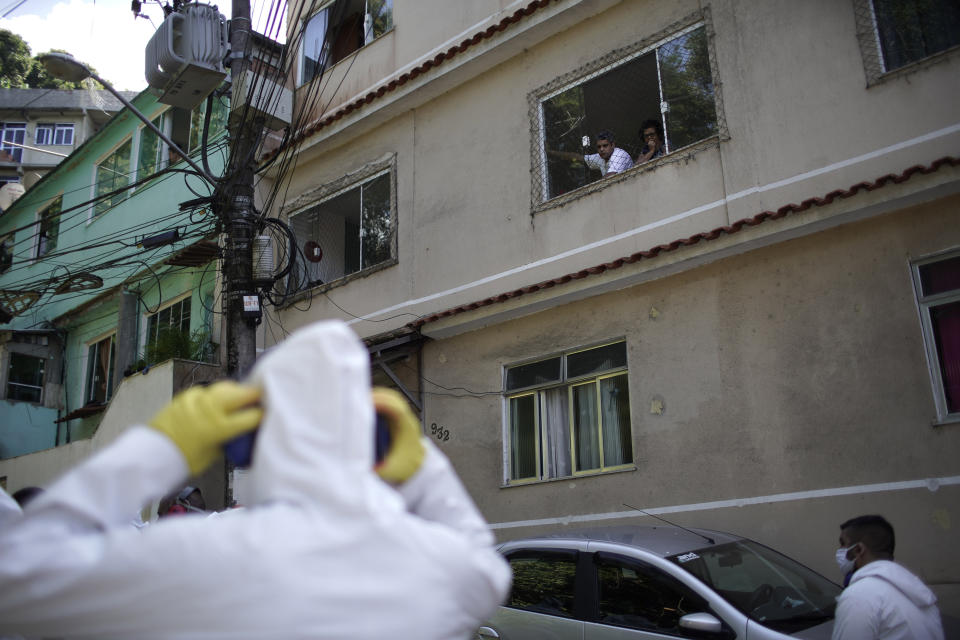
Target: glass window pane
{"x": 687, "y": 89}
{"x": 910, "y": 30}
{"x": 49, "y": 228}
{"x": 6, "y": 252}
{"x": 946, "y": 334}
{"x": 523, "y": 437}
{"x": 615, "y": 407}
{"x": 43, "y": 134}
{"x": 25, "y": 378}
{"x": 315, "y": 52}
{"x": 543, "y": 582}
{"x": 535, "y": 373}
{"x": 112, "y": 174}
{"x": 376, "y": 224}
{"x": 148, "y": 161}
{"x": 611, "y": 356}
{"x": 586, "y": 432}
{"x": 640, "y": 597}
{"x": 381, "y": 15}
{"x": 938, "y": 277}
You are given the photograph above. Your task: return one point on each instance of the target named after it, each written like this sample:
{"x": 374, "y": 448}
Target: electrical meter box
{"x": 185, "y": 56}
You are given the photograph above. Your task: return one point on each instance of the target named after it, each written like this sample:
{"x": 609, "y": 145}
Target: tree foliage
{"x": 20, "y": 70}
{"x": 15, "y": 60}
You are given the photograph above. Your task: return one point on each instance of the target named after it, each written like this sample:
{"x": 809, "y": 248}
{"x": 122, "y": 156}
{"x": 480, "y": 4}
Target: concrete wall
{"x": 788, "y": 356}
{"x": 465, "y": 229}
{"x": 796, "y": 368}
{"x": 137, "y": 398}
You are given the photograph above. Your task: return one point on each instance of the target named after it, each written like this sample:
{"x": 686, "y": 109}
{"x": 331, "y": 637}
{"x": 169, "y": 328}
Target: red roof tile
{"x": 653, "y": 252}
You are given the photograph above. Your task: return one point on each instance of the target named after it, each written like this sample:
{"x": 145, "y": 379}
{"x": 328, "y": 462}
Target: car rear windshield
{"x": 765, "y": 585}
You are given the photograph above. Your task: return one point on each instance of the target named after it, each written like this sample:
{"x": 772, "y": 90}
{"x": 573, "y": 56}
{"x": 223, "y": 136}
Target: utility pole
{"x": 240, "y": 299}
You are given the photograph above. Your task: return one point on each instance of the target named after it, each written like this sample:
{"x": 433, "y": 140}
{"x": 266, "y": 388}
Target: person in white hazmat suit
{"x": 326, "y": 549}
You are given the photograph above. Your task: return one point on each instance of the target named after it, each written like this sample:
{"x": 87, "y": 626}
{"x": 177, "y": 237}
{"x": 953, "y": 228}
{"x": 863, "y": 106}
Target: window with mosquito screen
{"x": 99, "y": 379}
{"x": 25, "y": 378}
{"x": 669, "y": 81}
{"x": 937, "y": 281}
{"x": 113, "y": 172}
{"x": 346, "y": 232}
{"x": 339, "y": 29}
{"x": 49, "y": 227}
{"x": 12, "y": 136}
{"x": 568, "y": 414}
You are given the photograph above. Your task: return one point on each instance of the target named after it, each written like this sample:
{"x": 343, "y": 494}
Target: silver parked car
{"x": 658, "y": 582}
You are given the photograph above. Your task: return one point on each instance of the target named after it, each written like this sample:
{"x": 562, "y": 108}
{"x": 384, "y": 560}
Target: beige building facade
{"x": 750, "y": 333}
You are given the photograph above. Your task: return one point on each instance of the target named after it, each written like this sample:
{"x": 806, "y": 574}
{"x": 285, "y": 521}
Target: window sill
{"x": 345, "y": 59}
{"x": 912, "y": 67}
{"x": 683, "y": 154}
{"x": 586, "y": 474}
{"x": 310, "y": 291}
{"x": 946, "y": 421}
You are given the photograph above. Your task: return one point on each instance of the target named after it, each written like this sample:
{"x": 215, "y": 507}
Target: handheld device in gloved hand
{"x": 398, "y": 451}
{"x": 239, "y": 451}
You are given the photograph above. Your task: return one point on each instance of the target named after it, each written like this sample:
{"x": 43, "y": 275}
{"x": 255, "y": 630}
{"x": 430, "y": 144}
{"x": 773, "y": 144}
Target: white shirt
{"x": 884, "y": 601}
{"x": 619, "y": 161}
{"x": 325, "y": 549}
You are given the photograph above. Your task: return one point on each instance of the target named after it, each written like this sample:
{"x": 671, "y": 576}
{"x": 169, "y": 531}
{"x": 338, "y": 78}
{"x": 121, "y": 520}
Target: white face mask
{"x": 846, "y": 566}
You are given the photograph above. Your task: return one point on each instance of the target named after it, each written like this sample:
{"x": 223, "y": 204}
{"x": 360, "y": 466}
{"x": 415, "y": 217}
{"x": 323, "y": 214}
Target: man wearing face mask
{"x": 882, "y": 600}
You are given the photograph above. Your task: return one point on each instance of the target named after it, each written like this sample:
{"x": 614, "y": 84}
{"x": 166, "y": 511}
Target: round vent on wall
{"x": 312, "y": 251}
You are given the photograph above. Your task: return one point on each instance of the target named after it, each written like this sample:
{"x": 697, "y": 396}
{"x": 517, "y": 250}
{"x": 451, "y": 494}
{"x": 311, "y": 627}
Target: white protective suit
{"x": 885, "y": 601}
{"x": 326, "y": 550}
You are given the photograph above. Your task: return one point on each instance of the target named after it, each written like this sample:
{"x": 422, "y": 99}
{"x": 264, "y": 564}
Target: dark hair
{"x": 605, "y": 135}
{"x": 651, "y": 123}
{"x": 25, "y": 495}
{"x": 874, "y": 532}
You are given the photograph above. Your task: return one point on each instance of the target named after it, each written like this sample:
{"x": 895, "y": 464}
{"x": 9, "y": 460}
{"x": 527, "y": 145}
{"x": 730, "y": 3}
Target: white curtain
{"x": 585, "y": 432}
{"x": 615, "y": 416}
{"x": 556, "y": 428}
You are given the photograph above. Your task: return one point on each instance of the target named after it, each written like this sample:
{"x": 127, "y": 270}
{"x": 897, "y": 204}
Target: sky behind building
{"x": 102, "y": 33}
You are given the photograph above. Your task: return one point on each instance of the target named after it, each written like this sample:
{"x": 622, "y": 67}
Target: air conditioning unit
{"x": 185, "y": 55}
{"x": 268, "y": 99}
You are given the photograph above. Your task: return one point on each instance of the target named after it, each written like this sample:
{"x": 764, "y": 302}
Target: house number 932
{"x": 438, "y": 432}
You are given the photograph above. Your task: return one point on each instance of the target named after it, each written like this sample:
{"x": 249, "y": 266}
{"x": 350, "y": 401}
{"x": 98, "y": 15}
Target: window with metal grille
{"x": 113, "y": 172}
{"x": 49, "y": 227}
{"x": 895, "y": 33}
{"x": 25, "y": 378}
{"x": 99, "y": 380}
{"x": 12, "y": 136}
{"x": 339, "y": 29}
{"x": 665, "y": 86}
{"x": 937, "y": 282}
{"x": 568, "y": 414}
{"x": 346, "y": 232}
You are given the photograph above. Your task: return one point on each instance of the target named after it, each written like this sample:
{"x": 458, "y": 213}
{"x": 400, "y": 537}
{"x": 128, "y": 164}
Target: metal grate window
{"x": 664, "y": 89}
{"x": 896, "y": 33}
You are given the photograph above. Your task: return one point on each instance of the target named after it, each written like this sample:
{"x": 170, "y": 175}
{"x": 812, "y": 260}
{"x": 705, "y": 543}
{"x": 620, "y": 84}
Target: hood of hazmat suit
{"x": 326, "y": 549}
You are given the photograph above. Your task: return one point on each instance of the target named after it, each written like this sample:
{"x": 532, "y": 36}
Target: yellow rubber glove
{"x": 406, "y": 451}
{"x": 201, "y": 419}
